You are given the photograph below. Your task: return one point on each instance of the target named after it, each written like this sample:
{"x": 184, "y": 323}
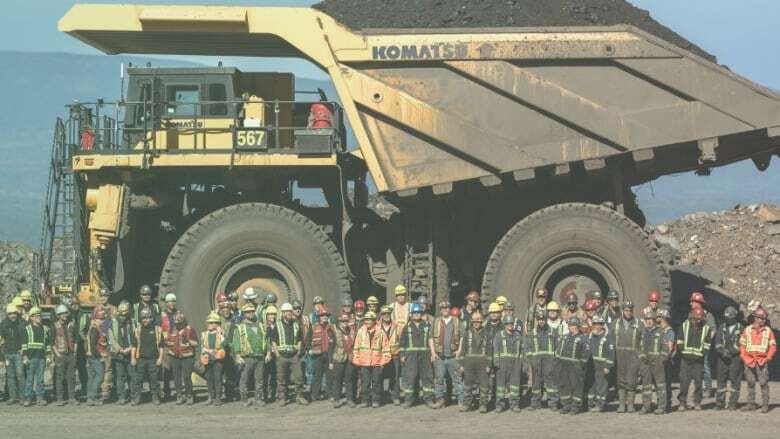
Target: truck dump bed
{"x": 437, "y": 108}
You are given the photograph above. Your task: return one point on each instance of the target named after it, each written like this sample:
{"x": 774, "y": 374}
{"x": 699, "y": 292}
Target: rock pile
{"x": 363, "y": 14}
{"x": 740, "y": 248}
{"x": 16, "y": 270}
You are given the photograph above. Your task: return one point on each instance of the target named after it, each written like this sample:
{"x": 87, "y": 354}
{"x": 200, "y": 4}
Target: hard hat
{"x": 145, "y": 290}
{"x": 416, "y": 308}
{"x": 296, "y": 304}
{"x": 17, "y": 301}
{"x": 123, "y": 308}
{"x": 509, "y": 307}
{"x": 249, "y": 307}
{"x": 170, "y": 297}
{"x": 25, "y": 295}
{"x": 697, "y": 313}
{"x": 628, "y": 304}
{"x": 11, "y": 309}
{"x": 360, "y": 305}
{"x": 494, "y": 307}
{"x": 590, "y": 305}
{"x": 472, "y": 295}
{"x": 100, "y": 313}
{"x": 222, "y": 298}
{"x": 270, "y": 310}
{"x": 553, "y": 306}
{"x": 574, "y": 321}
{"x": 501, "y": 300}
{"x": 105, "y": 292}
{"x": 760, "y": 313}
{"x": 317, "y": 300}
{"x": 213, "y": 318}
{"x": 250, "y": 294}
{"x": 372, "y": 300}
{"x": 270, "y": 298}
{"x": 597, "y": 320}
{"x": 476, "y": 316}
{"x": 540, "y": 314}
{"x": 400, "y": 290}
{"x": 508, "y": 320}
{"x": 422, "y": 300}
{"x": 386, "y": 309}
{"x": 613, "y": 295}
{"x": 596, "y": 294}
{"x": 730, "y": 313}
{"x": 287, "y": 306}
{"x": 650, "y": 315}
{"x": 664, "y": 313}
{"x": 347, "y": 302}
{"x": 444, "y": 304}
{"x": 34, "y": 311}
{"x": 697, "y": 297}
{"x": 145, "y": 314}
{"x": 370, "y": 315}
{"x": 572, "y": 298}
{"x": 541, "y": 292}
{"x": 654, "y": 296}
{"x": 61, "y": 309}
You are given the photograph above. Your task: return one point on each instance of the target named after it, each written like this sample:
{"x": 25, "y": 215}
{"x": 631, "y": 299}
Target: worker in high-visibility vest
{"x": 475, "y": 364}
{"x": 392, "y": 370}
{"x": 573, "y": 354}
{"x": 36, "y": 348}
{"x": 757, "y": 347}
{"x": 250, "y": 347}
{"x": 416, "y": 359}
{"x": 603, "y": 354}
{"x": 370, "y": 353}
{"x": 401, "y": 307}
{"x": 693, "y": 342}
{"x": 287, "y": 345}
{"x": 507, "y": 360}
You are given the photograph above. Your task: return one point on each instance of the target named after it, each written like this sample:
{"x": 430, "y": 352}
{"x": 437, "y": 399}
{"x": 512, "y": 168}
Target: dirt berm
{"x": 363, "y": 14}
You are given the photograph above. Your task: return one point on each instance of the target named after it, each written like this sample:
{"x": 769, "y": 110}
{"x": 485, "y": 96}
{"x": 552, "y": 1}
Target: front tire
{"x": 253, "y": 245}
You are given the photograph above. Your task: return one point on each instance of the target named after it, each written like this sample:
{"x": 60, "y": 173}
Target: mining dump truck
{"x": 504, "y": 157}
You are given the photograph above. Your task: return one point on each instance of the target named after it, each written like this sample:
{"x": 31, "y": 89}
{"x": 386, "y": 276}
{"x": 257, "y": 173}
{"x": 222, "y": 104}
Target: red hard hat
{"x": 455, "y": 311}
{"x": 359, "y": 305}
{"x": 697, "y": 313}
{"x": 590, "y": 305}
{"x": 222, "y": 297}
{"x": 654, "y": 296}
{"x": 760, "y": 312}
{"x": 697, "y": 297}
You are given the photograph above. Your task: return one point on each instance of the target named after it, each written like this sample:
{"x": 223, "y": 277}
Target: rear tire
{"x": 253, "y": 244}
{"x": 575, "y": 246}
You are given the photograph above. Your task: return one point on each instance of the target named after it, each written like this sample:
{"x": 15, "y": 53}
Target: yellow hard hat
{"x": 270, "y": 309}
{"x": 372, "y": 300}
{"x": 370, "y": 315}
{"x": 501, "y": 300}
{"x": 11, "y": 309}
{"x": 553, "y": 306}
{"x": 25, "y": 295}
{"x": 400, "y": 290}
{"x": 248, "y": 308}
{"x": 386, "y": 309}
{"x": 17, "y": 301}
{"x": 213, "y": 318}
{"x": 34, "y": 311}
{"x": 494, "y": 307}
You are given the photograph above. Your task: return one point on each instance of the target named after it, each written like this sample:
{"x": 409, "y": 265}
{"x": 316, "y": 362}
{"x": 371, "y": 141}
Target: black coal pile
{"x": 16, "y": 270}
{"x": 364, "y": 14}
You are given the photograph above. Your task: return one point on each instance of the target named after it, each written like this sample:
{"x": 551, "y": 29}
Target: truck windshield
{"x": 182, "y": 100}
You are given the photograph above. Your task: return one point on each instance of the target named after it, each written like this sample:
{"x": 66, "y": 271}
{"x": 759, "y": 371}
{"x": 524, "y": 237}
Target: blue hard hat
{"x": 417, "y": 308}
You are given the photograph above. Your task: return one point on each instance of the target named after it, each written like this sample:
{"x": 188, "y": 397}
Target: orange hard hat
{"x": 654, "y": 296}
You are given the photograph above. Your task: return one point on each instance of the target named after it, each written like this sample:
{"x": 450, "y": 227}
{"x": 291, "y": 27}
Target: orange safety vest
{"x": 757, "y": 346}
{"x": 401, "y": 314}
{"x": 392, "y": 339}
{"x": 371, "y": 351}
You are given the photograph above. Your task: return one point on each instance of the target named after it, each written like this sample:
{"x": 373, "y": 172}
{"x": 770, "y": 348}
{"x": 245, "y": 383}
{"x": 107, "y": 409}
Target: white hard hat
{"x": 170, "y": 297}
{"x": 250, "y": 294}
{"x": 61, "y": 309}
{"x": 286, "y": 307}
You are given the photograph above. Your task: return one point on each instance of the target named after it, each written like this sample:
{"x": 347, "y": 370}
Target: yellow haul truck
{"x": 507, "y": 155}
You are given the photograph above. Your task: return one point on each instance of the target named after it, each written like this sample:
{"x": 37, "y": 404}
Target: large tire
{"x": 575, "y": 244}
{"x": 253, "y": 244}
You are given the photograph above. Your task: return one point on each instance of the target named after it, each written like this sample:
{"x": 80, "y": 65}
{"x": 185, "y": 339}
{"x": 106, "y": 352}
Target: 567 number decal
{"x": 250, "y": 138}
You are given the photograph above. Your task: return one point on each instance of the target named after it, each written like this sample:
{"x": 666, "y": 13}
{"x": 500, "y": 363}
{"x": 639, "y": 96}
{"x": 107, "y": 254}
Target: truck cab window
{"x": 217, "y": 92}
{"x": 182, "y": 100}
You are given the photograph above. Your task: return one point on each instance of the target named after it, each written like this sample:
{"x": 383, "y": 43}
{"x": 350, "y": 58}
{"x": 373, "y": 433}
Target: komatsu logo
{"x": 420, "y": 51}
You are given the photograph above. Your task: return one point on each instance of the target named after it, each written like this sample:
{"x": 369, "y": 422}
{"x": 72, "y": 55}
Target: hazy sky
{"x": 744, "y": 34}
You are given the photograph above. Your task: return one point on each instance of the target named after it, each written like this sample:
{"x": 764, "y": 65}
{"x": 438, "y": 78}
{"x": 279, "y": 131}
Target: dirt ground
{"x": 235, "y": 420}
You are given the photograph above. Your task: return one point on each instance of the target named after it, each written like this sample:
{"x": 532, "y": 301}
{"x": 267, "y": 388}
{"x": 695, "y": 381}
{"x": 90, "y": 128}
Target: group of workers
{"x": 567, "y": 359}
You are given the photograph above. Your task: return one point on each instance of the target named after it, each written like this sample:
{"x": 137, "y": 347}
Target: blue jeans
{"x": 35, "y": 369}
{"x": 441, "y": 368}
{"x": 14, "y": 376}
{"x": 95, "y": 371}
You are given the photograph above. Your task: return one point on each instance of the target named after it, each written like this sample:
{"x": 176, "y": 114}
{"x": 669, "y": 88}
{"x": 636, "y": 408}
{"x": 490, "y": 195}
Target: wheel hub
{"x": 577, "y": 272}
{"x": 265, "y": 272}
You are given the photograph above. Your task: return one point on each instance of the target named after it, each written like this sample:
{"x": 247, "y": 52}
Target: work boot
{"x": 517, "y": 409}
{"x": 645, "y": 410}
{"x": 375, "y": 404}
{"x": 27, "y": 403}
{"x": 218, "y": 402}
{"x": 41, "y": 402}
{"x": 338, "y": 404}
{"x": 396, "y": 402}
{"x": 659, "y": 410}
{"x": 463, "y": 408}
{"x": 733, "y": 406}
{"x": 683, "y": 406}
{"x": 765, "y": 408}
{"x": 190, "y": 400}
{"x": 123, "y": 401}
{"x": 564, "y": 409}
{"x": 156, "y": 399}
{"x": 483, "y": 408}
{"x": 365, "y": 405}
{"x": 74, "y": 401}
{"x": 749, "y": 407}
{"x": 621, "y": 401}
{"x": 630, "y": 403}
{"x": 61, "y": 402}
{"x": 438, "y": 404}
{"x": 11, "y": 401}
{"x": 134, "y": 402}
{"x": 300, "y": 399}
{"x": 697, "y": 406}
{"x": 180, "y": 400}
{"x": 352, "y": 404}
{"x": 500, "y": 407}
{"x": 430, "y": 403}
